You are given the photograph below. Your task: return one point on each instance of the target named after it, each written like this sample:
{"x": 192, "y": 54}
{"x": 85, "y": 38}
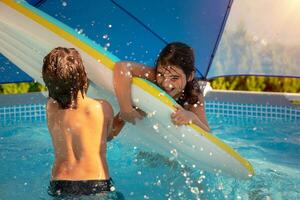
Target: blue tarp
{"x": 9, "y": 73}
{"x": 137, "y": 30}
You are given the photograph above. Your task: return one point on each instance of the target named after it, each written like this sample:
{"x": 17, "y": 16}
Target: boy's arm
{"x": 114, "y": 124}
{"x": 117, "y": 125}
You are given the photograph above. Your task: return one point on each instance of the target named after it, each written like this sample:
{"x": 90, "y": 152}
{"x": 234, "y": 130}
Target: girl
{"x": 174, "y": 72}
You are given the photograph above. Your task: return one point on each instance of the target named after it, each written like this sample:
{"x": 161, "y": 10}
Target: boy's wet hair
{"x": 181, "y": 55}
{"x": 64, "y": 75}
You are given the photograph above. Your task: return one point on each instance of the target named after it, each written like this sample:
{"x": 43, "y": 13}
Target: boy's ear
{"x": 191, "y": 77}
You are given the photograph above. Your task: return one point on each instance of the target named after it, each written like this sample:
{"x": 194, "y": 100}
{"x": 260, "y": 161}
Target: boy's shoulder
{"x": 106, "y": 106}
{"x": 51, "y": 104}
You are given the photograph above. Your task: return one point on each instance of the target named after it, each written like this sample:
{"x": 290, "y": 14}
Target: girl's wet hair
{"x": 64, "y": 75}
{"x": 182, "y": 56}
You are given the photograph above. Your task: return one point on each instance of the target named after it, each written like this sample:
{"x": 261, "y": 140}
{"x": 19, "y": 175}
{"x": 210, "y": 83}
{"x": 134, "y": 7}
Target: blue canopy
{"x": 137, "y": 30}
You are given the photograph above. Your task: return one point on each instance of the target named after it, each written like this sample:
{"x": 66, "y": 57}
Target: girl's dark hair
{"x": 64, "y": 76}
{"x": 182, "y": 56}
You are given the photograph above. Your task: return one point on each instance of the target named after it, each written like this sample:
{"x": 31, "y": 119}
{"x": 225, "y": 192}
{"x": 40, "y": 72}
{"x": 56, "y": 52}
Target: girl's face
{"x": 172, "y": 79}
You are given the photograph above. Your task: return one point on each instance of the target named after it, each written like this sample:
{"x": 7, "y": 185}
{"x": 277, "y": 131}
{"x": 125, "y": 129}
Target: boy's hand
{"x": 182, "y": 116}
{"x": 132, "y": 115}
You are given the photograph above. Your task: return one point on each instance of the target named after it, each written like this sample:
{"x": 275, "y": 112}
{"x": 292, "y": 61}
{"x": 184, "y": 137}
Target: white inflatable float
{"x": 27, "y": 35}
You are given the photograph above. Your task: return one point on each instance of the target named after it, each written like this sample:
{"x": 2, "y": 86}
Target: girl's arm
{"x": 191, "y": 114}
{"x": 199, "y": 110}
{"x": 122, "y": 78}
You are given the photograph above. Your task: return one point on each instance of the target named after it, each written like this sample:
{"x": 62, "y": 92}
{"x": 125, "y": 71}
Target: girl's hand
{"x": 132, "y": 115}
{"x": 182, "y": 116}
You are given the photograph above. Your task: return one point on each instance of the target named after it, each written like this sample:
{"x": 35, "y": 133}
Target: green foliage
{"x": 255, "y": 83}
{"x": 245, "y": 83}
{"x": 18, "y": 88}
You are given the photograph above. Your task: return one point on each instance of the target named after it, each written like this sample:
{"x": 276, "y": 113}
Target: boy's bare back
{"x": 79, "y": 138}
{"x": 79, "y": 126}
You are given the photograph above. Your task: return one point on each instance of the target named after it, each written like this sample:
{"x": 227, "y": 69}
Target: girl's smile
{"x": 171, "y": 79}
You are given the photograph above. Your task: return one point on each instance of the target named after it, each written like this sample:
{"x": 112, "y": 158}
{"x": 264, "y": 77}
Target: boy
{"x": 79, "y": 127}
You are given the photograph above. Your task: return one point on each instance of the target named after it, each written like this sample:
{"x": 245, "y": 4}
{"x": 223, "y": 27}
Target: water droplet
{"x": 64, "y": 4}
{"x": 128, "y": 74}
{"x": 195, "y": 190}
{"x": 158, "y": 183}
{"x": 220, "y": 187}
{"x": 156, "y": 126}
{"x": 80, "y": 31}
{"x": 174, "y": 152}
{"x": 112, "y": 188}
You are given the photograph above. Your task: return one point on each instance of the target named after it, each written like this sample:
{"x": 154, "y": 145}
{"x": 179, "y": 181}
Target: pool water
{"x": 273, "y": 148}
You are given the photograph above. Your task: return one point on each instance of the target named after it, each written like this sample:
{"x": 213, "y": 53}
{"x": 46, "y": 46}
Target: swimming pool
{"x": 272, "y": 145}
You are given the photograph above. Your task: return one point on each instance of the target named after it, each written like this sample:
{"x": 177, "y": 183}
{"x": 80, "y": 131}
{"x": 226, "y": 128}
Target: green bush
{"x": 245, "y": 83}
{"x": 19, "y": 88}
{"x": 254, "y": 83}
